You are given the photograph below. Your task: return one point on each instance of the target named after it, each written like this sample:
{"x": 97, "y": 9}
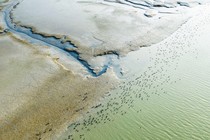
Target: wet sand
{"x": 38, "y": 97}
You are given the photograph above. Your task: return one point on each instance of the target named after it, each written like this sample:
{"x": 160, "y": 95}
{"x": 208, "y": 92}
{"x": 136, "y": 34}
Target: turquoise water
{"x": 168, "y": 98}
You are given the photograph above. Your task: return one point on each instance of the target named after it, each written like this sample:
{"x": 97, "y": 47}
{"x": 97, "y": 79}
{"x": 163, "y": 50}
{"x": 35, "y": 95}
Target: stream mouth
{"x": 65, "y": 46}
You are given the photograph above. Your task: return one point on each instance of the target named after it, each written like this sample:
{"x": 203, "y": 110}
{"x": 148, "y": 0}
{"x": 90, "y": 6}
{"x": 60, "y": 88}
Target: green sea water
{"x": 168, "y": 98}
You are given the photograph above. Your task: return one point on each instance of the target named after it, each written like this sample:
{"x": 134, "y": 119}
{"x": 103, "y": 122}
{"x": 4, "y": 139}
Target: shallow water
{"x": 168, "y": 98}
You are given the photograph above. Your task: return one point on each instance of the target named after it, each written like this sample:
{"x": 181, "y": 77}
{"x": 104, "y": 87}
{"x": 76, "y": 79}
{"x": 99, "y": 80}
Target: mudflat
{"x": 65, "y": 66}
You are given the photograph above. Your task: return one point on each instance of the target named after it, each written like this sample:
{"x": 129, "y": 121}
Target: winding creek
{"x": 49, "y": 40}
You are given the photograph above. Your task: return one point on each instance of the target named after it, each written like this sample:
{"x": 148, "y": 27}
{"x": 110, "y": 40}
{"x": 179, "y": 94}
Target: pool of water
{"x": 168, "y": 97}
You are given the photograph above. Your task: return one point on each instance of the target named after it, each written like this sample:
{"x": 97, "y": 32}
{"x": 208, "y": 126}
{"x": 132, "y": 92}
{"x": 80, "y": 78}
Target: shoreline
{"x": 48, "y": 106}
{"x": 187, "y": 35}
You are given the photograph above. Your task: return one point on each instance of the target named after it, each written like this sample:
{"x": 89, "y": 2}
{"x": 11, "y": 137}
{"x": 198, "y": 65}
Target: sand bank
{"x": 37, "y": 95}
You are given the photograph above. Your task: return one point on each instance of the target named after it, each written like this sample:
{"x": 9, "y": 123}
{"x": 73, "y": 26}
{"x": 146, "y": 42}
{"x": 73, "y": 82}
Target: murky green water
{"x": 168, "y": 98}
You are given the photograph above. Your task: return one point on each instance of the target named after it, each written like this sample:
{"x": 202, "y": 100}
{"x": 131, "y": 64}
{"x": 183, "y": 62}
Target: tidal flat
{"x": 104, "y": 70}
